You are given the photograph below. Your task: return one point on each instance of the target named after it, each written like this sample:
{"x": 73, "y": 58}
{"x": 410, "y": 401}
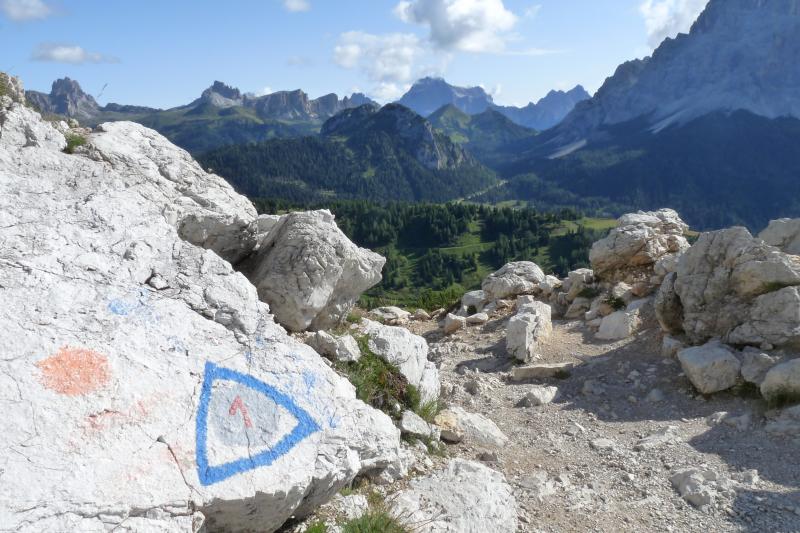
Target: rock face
{"x": 144, "y": 371}
{"x": 512, "y": 280}
{"x": 737, "y": 288}
{"x": 640, "y": 240}
{"x": 783, "y": 234}
{"x": 465, "y": 497}
{"x": 406, "y": 351}
{"x": 710, "y": 368}
{"x": 310, "y": 273}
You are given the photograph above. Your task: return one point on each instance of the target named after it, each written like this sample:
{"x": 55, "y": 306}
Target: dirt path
{"x": 619, "y": 394}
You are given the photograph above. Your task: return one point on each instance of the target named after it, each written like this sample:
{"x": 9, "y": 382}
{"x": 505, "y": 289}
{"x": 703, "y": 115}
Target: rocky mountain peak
{"x": 429, "y": 94}
{"x": 66, "y": 98}
{"x": 222, "y": 95}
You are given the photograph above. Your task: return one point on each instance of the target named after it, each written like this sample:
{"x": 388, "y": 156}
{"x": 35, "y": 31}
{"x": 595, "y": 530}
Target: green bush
{"x": 73, "y": 142}
{"x": 589, "y": 293}
{"x": 317, "y": 527}
{"x": 378, "y": 383}
{"x": 428, "y": 410}
{"x": 617, "y": 304}
{"x": 375, "y": 521}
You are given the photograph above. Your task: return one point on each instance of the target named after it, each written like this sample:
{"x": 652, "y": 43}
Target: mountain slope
{"x": 429, "y": 94}
{"x": 708, "y": 125}
{"x": 547, "y": 112}
{"x": 488, "y": 135}
{"x": 387, "y": 154}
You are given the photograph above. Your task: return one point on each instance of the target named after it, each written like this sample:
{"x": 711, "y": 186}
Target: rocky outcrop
{"x": 640, "y": 241}
{"x": 513, "y": 279}
{"x": 737, "y": 288}
{"x": 309, "y": 271}
{"x": 465, "y": 497}
{"x": 783, "y": 234}
{"x": 406, "y": 351}
{"x": 151, "y": 389}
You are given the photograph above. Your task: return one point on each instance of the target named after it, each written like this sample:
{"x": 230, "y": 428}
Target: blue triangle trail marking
{"x": 210, "y": 474}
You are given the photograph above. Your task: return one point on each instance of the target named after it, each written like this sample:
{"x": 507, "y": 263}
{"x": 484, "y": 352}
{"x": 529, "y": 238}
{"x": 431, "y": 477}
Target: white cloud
{"x": 387, "y": 58}
{"x": 296, "y": 5}
{"x": 73, "y": 54}
{"x": 265, "y": 91}
{"x": 532, "y": 11}
{"x": 668, "y": 18}
{"x": 463, "y": 25}
{"x": 25, "y": 9}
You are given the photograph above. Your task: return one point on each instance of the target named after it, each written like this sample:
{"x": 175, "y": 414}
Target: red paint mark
{"x": 238, "y": 405}
{"x": 74, "y": 371}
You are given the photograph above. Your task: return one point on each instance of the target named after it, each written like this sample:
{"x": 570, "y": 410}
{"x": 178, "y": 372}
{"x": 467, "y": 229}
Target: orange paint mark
{"x": 74, "y": 371}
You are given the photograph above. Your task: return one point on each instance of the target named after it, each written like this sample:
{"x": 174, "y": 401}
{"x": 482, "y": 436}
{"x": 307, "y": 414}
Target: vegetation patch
{"x": 380, "y": 384}
{"x": 317, "y": 527}
{"x": 73, "y": 142}
{"x": 783, "y": 398}
{"x": 590, "y": 293}
{"x": 617, "y": 304}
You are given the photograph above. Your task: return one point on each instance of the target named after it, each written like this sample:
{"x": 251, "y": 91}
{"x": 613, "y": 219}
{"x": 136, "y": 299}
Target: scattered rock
{"x": 539, "y": 485}
{"x": 618, "y": 326}
{"x": 391, "y": 316}
{"x": 539, "y": 395}
{"x": 349, "y": 507}
{"x": 699, "y": 486}
{"x": 756, "y": 364}
{"x": 711, "y": 368}
{"x": 456, "y": 425}
{"x": 782, "y": 382}
{"x": 527, "y": 330}
{"x": 658, "y": 439}
{"x": 420, "y": 315}
{"x": 465, "y": 497}
{"x": 474, "y": 299}
{"x": 412, "y": 424}
{"x": 344, "y": 349}
{"x": 512, "y": 280}
{"x": 602, "y": 445}
{"x": 541, "y": 371}
{"x": 478, "y": 319}
{"x": 453, "y": 323}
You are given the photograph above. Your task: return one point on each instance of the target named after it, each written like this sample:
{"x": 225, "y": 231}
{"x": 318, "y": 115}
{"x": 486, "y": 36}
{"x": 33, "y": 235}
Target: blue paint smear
{"x": 209, "y": 474}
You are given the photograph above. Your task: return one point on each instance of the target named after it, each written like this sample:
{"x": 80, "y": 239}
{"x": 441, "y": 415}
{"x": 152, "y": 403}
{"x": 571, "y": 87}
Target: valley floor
{"x": 574, "y": 463}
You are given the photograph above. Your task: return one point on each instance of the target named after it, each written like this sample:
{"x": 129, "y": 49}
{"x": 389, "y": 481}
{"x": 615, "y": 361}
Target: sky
{"x": 165, "y": 53}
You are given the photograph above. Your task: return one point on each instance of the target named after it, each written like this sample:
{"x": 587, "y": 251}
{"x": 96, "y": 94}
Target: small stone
{"x": 602, "y": 444}
{"x": 453, "y": 323}
{"x": 478, "y": 319}
{"x": 541, "y": 371}
{"x": 539, "y": 396}
{"x": 655, "y": 396}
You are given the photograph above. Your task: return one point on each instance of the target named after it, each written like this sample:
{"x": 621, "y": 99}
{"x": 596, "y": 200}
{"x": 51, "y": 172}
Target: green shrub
{"x": 617, "y": 304}
{"x": 428, "y": 410}
{"x": 589, "y": 293}
{"x": 317, "y": 527}
{"x": 378, "y": 383}
{"x": 375, "y": 521}
{"x": 73, "y": 142}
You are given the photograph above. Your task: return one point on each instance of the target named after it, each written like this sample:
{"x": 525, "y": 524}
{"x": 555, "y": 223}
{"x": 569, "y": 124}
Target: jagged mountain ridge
{"x": 428, "y": 95}
{"x": 734, "y": 58}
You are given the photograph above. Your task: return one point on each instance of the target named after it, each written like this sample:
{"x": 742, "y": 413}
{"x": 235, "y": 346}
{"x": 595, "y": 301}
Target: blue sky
{"x": 164, "y": 53}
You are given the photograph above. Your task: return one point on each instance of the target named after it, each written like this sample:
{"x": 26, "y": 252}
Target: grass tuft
{"x": 73, "y": 142}
{"x": 617, "y": 304}
{"x": 317, "y": 527}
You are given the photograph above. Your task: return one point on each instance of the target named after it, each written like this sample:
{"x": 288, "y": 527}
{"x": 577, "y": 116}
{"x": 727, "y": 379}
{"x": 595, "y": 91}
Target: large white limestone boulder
{"x": 528, "y": 330}
{"x": 513, "y": 279}
{"x": 406, "y": 351}
{"x": 146, "y": 387}
{"x": 310, "y": 273}
{"x": 640, "y": 240}
{"x": 711, "y": 368}
{"x": 464, "y": 497}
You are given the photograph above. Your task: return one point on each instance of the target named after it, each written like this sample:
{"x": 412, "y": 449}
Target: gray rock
{"x": 453, "y": 323}
{"x": 538, "y": 396}
{"x": 670, "y": 346}
{"x": 783, "y": 234}
{"x": 465, "y": 497}
{"x": 541, "y": 371}
{"x": 344, "y": 349}
{"x": 699, "y": 486}
{"x": 756, "y": 364}
{"x": 711, "y": 368}
{"x": 478, "y": 319}
{"x": 391, "y": 316}
{"x": 456, "y": 424}
{"x": 782, "y": 382}
{"x": 528, "y": 330}
{"x": 619, "y": 325}
{"x": 669, "y": 310}
{"x": 310, "y": 273}
{"x": 476, "y": 299}
{"x": 413, "y": 424}
{"x": 512, "y": 280}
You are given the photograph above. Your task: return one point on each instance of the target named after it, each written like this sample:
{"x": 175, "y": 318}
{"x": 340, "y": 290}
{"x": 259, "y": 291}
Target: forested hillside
{"x": 437, "y": 252}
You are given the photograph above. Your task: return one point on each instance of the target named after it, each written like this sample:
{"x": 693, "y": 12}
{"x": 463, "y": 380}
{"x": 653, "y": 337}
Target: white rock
{"x": 698, "y": 486}
{"x": 539, "y": 395}
{"x": 310, "y": 273}
{"x": 528, "y": 330}
{"x": 476, "y": 299}
{"x": 512, "y": 280}
{"x": 349, "y": 507}
{"x": 577, "y": 281}
{"x": 578, "y": 308}
{"x": 391, "y": 316}
{"x": 711, "y": 368}
{"x": 421, "y": 315}
{"x": 406, "y": 351}
{"x": 783, "y": 234}
{"x": 457, "y": 424}
{"x": 453, "y": 323}
{"x": 638, "y": 242}
{"x": 413, "y": 424}
{"x": 601, "y": 445}
{"x": 478, "y": 319}
{"x": 549, "y": 285}
{"x": 465, "y": 497}
{"x": 660, "y": 438}
{"x": 756, "y": 364}
{"x": 782, "y": 382}
{"x": 618, "y": 326}
{"x": 344, "y": 349}
{"x": 188, "y": 402}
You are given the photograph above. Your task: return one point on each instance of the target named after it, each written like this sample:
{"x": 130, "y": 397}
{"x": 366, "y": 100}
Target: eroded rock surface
{"x": 145, "y": 385}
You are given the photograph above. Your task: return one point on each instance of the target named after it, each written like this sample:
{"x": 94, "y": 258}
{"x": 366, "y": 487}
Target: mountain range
{"x": 708, "y": 124}
{"x": 428, "y": 95}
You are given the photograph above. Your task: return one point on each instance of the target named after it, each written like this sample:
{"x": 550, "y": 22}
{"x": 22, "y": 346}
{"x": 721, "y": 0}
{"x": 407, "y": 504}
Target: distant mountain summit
{"x": 739, "y": 55}
{"x": 66, "y": 98}
{"x": 547, "y": 112}
{"x": 428, "y": 95}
